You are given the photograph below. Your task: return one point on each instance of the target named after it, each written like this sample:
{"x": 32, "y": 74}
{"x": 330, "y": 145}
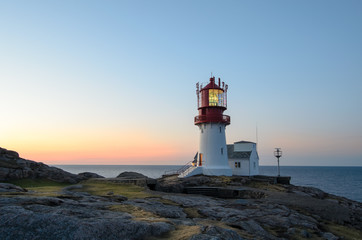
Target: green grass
{"x": 343, "y": 231}
{"x": 37, "y": 183}
{"x": 102, "y": 188}
{"x": 41, "y": 187}
{"x": 137, "y": 212}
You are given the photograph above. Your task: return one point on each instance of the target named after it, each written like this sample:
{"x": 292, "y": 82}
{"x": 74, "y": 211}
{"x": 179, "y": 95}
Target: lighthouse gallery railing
{"x": 205, "y": 118}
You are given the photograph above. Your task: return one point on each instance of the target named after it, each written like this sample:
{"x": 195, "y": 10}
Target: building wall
{"x": 244, "y": 167}
{"x": 254, "y": 161}
{"x": 213, "y": 149}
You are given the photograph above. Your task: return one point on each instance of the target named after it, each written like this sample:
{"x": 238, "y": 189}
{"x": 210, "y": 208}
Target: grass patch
{"x": 37, "y": 183}
{"x": 39, "y": 187}
{"x": 136, "y": 212}
{"x": 192, "y": 212}
{"x": 164, "y": 201}
{"x": 343, "y": 231}
{"x": 102, "y": 188}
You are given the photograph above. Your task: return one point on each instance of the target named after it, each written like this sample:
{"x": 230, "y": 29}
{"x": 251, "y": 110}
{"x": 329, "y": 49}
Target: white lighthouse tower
{"x": 212, "y": 158}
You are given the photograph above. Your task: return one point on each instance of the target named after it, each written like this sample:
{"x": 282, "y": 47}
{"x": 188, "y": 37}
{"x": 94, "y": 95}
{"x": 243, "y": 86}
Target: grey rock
{"x": 13, "y": 167}
{"x": 7, "y": 187}
{"x": 131, "y": 175}
{"x": 329, "y": 236}
{"x": 68, "y": 221}
{"x": 304, "y": 233}
{"x": 194, "y": 201}
{"x": 88, "y": 175}
{"x": 216, "y": 233}
{"x": 163, "y": 210}
{"x": 291, "y": 231}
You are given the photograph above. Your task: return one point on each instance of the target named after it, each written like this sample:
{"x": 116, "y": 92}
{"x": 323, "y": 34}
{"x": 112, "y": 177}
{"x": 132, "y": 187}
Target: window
{"x": 238, "y": 164}
{"x": 216, "y": 97}
{"x": 220, "y": 129}
{"x": 254, "y": 165}
{"x": 222, "y": 151}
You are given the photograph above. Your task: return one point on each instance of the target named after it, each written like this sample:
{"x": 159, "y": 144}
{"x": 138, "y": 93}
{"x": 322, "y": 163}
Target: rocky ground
{"x": 40, "y": 208}
{"x": 98, "y": 209}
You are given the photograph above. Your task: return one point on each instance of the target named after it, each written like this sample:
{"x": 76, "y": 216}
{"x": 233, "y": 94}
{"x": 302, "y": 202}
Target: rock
{"x": 291, "y": 231}
{"x": 12, "y": 154}
{"x": 17, "y": 222}
{"x": 216, "y": 233}
{"x": 194, "y": 201}
{"x": 329, "y": 236}
{"x": 119, "y": 198}
{"x": 88, "y": 175}
{"x": 12, "y": 167}
{"x": 163, "y": 210}
{"x": 7, "y": 187}
{"x": 305, "y": 234}
{"x": 131, "y": 175}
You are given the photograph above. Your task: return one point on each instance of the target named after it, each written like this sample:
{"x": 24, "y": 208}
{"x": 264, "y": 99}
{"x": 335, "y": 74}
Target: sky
{"x": 113, "y": 82}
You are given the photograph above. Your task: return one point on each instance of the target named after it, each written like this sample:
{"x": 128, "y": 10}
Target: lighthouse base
{"x": 191, "y": 171}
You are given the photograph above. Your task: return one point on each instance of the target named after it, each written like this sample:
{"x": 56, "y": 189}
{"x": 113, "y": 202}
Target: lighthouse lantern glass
{"x": 216, "y": 97}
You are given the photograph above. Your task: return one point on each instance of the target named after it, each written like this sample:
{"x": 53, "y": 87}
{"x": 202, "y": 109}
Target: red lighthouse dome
{"x": 212, "y": 102}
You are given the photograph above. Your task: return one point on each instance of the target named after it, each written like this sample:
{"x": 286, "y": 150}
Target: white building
{"x": 243, "y": 158}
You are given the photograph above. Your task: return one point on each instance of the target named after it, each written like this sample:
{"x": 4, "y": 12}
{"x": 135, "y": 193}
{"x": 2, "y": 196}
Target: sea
{"x": 341, "y": 181}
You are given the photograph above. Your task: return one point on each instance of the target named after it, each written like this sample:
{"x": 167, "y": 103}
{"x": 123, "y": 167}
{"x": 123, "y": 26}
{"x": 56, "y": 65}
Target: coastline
{"x": 300, "y": 176}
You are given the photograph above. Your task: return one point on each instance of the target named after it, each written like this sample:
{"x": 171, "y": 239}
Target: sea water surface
{"x": 341, "y": 181}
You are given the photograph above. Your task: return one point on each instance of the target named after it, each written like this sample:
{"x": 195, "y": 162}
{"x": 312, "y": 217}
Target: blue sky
{"x": 119, "y": 76}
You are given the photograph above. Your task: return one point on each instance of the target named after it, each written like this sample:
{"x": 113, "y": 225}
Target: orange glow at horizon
{"x": 90, "y": 147}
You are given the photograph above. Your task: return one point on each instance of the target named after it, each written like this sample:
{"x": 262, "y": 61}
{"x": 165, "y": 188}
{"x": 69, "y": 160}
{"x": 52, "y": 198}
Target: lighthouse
{"x": 212, "y": 157}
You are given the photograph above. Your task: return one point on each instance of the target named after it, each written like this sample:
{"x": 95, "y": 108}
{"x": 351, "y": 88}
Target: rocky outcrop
{"x": 13, "y": 167}
{"x": 54, "y": 218}
{"x": 88, "y": 175}
{"x": 284, "y": 212}
{"x": 7, "y": 187}
{"x": 131, "y": 175}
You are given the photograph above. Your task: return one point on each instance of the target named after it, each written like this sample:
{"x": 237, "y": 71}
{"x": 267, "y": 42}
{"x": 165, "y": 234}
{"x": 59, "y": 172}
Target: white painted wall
{"x": 212, "y": 140}
{"x": 254, "y": 161}
{"x": 244, "y": 167}
{"x": 248, "y": 167}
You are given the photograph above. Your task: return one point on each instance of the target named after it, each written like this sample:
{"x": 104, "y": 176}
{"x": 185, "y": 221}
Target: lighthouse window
{"x": 215, "y": 97}
{"x": 236, "y": 164}
{"x": 222, "y": 151}
{"x": 220, "y": 129}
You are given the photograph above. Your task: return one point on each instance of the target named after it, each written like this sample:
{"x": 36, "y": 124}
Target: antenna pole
{"x": 256, "y": 133}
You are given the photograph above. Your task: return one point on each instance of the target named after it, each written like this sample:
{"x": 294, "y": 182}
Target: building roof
{"x": 243, "y": 142}
{"x": 212, "y": 85}
{"x": 237, "y": 155}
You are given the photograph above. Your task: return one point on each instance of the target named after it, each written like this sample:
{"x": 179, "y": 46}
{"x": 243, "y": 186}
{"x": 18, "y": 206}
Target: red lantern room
{"x": 212, "y": 102}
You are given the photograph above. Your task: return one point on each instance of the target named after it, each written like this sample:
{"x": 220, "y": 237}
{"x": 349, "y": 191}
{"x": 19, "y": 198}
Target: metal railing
{"x": 206, "y": 118}
{"x": 179, "y": 171}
